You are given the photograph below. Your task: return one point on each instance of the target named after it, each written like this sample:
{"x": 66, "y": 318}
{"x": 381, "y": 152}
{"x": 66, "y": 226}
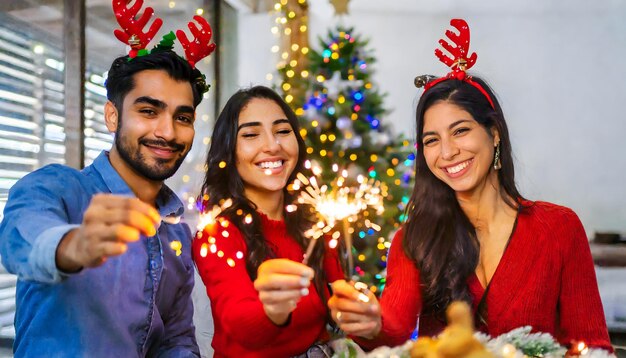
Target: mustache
{"x": 171, "y": 145}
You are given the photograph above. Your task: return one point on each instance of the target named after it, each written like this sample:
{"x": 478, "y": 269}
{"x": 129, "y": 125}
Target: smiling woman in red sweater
{"x": 471, "y": 236}
{"x": 265, "y": 302}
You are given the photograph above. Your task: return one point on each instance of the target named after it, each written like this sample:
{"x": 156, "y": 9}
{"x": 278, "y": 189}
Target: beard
{"x": 162, "y": 168}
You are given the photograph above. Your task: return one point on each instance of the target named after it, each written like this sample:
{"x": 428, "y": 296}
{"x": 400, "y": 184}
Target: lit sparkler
{"x": 208, "y": 223}
{"x": 208, "y": 218}
{"x": 338, "y": 203}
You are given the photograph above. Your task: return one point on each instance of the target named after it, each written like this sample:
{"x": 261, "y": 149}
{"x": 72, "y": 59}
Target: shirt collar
{"x": 167, "y": 202}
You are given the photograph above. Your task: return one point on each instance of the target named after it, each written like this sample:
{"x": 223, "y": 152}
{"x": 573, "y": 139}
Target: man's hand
{"x": 109, "y": 224}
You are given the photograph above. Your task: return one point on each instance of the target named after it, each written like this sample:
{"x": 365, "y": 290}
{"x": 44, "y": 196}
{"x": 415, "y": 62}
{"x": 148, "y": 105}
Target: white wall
{"x": 558, "y": 70}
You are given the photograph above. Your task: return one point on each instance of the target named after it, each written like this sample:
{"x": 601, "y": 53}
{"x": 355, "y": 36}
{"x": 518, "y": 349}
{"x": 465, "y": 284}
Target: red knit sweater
{"x": 242, "y": 329}
{"x": 545, "y": 279}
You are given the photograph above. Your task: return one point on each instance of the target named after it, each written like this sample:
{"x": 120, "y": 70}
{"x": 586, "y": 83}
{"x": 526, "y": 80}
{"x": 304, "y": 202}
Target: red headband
{"x": 461, "y": 62}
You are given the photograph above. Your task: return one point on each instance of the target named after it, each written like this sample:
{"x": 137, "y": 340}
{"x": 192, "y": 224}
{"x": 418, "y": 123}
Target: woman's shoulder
{"x": 549, "y": 223}
{"x": 551, "y": 227}
{"x": 399, "y": 235}
{"x": 396, "y": 250}
{"x": 548, "y": 212}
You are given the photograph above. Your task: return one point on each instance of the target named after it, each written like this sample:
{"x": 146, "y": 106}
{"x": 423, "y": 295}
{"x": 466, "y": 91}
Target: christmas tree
{"x": 342, "y": 122}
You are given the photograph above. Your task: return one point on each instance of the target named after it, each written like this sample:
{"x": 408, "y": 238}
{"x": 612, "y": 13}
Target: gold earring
{"x": 497, "y": 164}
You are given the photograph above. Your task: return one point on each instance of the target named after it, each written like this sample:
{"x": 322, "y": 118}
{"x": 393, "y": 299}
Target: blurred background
{"x": 556, "y": 66}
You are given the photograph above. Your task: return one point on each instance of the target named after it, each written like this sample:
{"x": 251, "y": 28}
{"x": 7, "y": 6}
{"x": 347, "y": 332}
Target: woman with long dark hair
{"x": 471, "y": 236}
{"x": 262, "y": 299}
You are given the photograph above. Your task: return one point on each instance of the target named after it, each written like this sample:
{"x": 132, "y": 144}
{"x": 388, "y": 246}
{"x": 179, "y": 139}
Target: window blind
{"x": 32, "y": 120}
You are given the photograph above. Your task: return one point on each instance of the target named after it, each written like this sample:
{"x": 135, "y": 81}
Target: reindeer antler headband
{"x": 461, "y": 62}
{"x": 132, "y": 34}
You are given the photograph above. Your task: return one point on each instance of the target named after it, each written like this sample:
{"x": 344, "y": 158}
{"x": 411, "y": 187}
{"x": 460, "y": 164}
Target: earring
{"x": 497, "y": 164}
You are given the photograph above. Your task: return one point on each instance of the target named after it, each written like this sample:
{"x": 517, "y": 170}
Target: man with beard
{"x": 99, "y": 273}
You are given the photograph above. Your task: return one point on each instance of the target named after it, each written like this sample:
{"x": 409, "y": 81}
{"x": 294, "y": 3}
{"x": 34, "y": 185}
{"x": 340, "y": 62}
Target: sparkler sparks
{"x": 208, "y": 222}
{"x": 209, "y": 218}
{"x": 343, "y": 200}
{"x": 338, "y": 202}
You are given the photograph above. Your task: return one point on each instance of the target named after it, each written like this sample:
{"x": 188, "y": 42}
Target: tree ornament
{"x": 333, "y": 85}
{"x": 344, "y": 123}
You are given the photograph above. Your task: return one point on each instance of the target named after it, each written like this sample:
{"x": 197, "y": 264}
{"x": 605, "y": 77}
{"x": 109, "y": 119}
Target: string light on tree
{"x": 341, "y": 115}
{"x": 291, "y": 30}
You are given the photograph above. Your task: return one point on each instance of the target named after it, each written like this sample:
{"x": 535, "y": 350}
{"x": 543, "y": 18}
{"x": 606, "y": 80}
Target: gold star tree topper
{"x": 341, "y": 6}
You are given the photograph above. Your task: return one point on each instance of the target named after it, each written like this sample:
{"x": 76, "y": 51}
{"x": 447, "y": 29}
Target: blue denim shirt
{"x": 137, "y": 304}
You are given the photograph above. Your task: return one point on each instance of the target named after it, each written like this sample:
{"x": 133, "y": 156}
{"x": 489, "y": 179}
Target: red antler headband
{"x": 459, "y": 64}
{"x": 132, "y": 32}
{"x": 199, "y": 48}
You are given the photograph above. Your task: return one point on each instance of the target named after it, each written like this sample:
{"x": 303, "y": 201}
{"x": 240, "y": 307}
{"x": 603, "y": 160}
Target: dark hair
{"x": 120, "y": 79}
{"x": 438, "y": 236}
{"x": 224, "y": 183}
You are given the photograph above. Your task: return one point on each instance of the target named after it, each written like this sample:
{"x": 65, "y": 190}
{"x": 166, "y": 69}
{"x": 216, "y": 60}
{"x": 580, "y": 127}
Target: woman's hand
{"x": 281, "y": 284}
{"x": 355, "y": 312}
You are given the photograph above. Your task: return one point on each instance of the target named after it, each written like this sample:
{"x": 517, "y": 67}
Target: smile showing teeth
{"x": 457, "y": 168}
{"x": 270, "y": 165}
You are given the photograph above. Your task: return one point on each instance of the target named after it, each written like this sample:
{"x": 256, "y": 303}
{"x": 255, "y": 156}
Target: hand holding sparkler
{"x": 281, "y": 284}
{"x": 109, "y": 224}
{"x": 355, "y": 309}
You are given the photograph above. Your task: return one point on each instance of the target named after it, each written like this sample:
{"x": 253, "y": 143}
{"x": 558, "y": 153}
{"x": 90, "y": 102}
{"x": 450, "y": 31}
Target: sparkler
{"x": 207, "y": 222}
{"x": 338, "y": 203}
{"x": 208, "y": 218}
{"x": 577, "y": 349}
